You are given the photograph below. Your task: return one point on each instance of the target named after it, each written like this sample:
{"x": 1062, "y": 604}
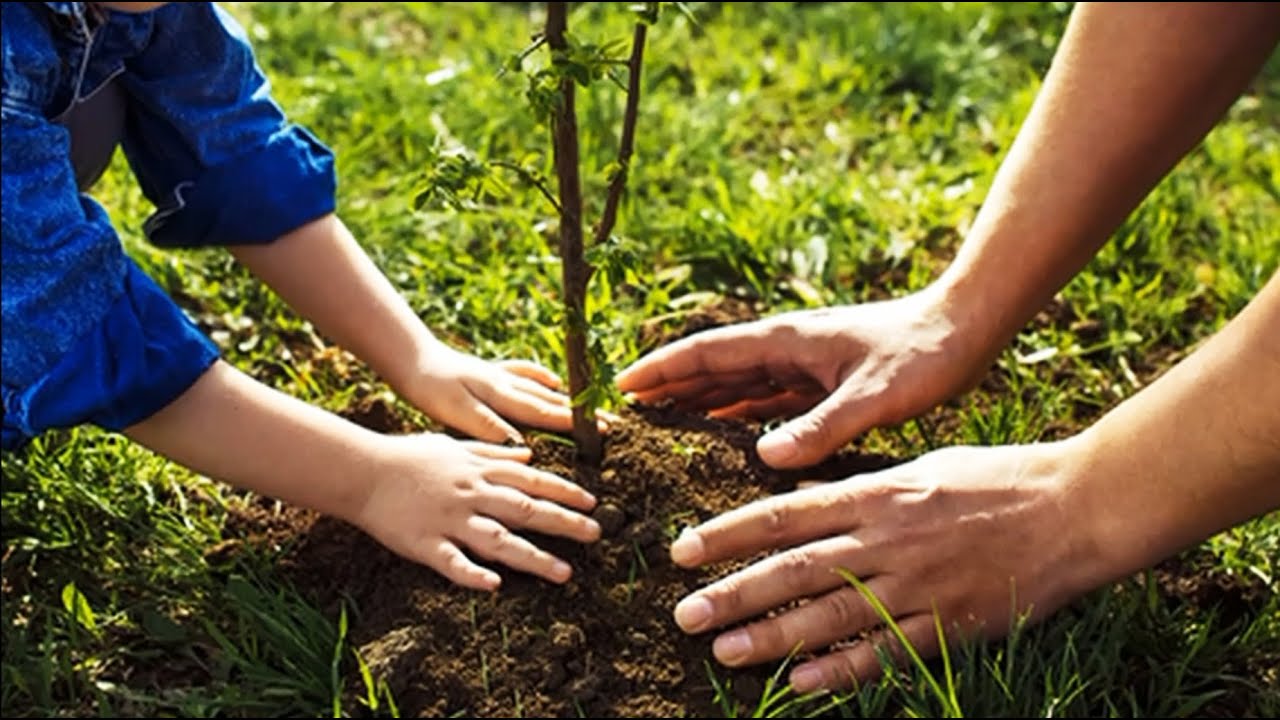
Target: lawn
{"x": 787, "y": 156}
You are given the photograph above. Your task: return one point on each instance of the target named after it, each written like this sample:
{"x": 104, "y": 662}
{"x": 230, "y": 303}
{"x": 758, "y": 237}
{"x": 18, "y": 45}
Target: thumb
{"x": 812, "y": 437}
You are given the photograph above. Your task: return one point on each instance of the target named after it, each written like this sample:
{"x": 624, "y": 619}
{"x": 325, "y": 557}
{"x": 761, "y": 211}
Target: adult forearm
{"x": 325, "y": 276}
{"x": 1194, "y": 453}
{"x": 1133, "y": 87}
{"x": 236, "y": 430}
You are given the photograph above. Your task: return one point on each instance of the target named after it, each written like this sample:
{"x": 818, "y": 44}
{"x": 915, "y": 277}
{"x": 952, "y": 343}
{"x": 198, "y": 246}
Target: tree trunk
{"x": 575, "y": 272}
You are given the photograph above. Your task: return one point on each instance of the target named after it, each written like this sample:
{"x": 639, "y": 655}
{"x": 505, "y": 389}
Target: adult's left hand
{"x": 973, "y": 534}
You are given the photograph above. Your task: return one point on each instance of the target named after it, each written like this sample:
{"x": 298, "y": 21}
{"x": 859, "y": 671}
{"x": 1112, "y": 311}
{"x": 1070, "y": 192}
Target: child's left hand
{"x": 474, "y": 396}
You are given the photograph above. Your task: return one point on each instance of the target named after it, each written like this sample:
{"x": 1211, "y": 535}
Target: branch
{"x": 530, "y": 178}
{"x": 619, "y": 180}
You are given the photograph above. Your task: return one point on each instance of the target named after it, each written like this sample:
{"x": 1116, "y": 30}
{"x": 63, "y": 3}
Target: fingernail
{"x": 732, "y": 648}
{"x": 687, "y": 549}
{"x": 561, "y": 570}
{"x": 693, "y": 613}
{"x": 806, "y": 678}
{"x": 778, "y": 446}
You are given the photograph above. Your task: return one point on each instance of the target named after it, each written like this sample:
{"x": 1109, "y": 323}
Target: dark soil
{"x": 604, "y": 644}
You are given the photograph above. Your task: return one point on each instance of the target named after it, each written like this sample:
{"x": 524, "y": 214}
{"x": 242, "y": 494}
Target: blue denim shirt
{"x": 87, "y": 336}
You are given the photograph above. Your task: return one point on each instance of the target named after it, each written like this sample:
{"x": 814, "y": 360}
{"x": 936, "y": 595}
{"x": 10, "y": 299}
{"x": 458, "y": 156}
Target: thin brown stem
{"x": 618, "y": 182}
{"x": 574, "y": 270}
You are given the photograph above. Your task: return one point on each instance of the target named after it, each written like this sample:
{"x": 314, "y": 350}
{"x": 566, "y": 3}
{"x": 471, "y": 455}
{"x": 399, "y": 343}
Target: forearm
{"x": 234, "y": 429}
{"x": 1194, "y": 453}
{"x": 326, "y": 277}
{"x": 1132, "y": 89}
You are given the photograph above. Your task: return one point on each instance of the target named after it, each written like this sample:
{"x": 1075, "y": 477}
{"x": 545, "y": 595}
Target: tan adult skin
{"x": 1132, "y": 89}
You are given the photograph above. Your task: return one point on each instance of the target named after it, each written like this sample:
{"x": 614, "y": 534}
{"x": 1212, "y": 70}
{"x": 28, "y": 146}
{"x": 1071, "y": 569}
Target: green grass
{"x": 801, "y": 154}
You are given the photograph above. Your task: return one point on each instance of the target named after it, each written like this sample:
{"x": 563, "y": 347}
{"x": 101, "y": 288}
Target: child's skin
{"x": 428, "y": 497}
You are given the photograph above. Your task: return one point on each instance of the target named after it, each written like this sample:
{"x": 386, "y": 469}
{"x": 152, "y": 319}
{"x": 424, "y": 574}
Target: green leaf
{"x": 77, "y": 606}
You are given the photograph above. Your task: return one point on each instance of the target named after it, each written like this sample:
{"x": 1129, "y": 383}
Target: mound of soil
{"x": 602, "y": 645}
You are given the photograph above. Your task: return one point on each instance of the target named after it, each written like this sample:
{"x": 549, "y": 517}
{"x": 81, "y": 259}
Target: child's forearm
{"x": 234, "y": 429}
{"x": 324, "y": 274}
{"x": 1133, "y": 87}
{"x": 1192, "y": 454}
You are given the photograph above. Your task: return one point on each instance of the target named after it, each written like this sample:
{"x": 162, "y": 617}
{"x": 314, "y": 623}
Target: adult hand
{"x": 846, "y": 369}
{"x": 973, "y": 534}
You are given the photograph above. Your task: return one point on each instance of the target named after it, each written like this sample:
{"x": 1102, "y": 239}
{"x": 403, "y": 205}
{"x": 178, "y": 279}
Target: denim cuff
{"x": 252, "y": 199}
{"x": 142, "y": 355}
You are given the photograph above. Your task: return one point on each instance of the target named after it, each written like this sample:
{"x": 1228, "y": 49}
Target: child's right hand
{"x": 433, "y": 496}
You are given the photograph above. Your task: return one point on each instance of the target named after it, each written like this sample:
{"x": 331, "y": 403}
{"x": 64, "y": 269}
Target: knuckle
{"x": 497, "y": 535}
{"x": 726, "y": 596}
{"x": 465, "y": 486}
{"x": 795, "y": 567}
{"x": 843, "y": 609}
{"x": 526, "y": 509}
{"x": 777, "y": 519}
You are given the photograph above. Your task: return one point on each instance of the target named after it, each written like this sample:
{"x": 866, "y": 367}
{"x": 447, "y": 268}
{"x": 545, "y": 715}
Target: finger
{"x": 498, "y": 452}
{"x": 867, "y": 659}
{"x": 540, "y": 484}
{"x": 689, "y": 389}
{"x": 532, "y": 371}
{"x": 721, "y": 350}
{"x": 812, "y": 437}
{"x": 489, "y": 539}
{"x": 812, "y": 627}
{"x": 554, "y": 407}
{"x": 514, "y": 509}
{"x": 481, "y": 422}
{"x": 773, "y": 522}
{"x": 607, "y": 419}
{"x": 726, "y": 396}
{"x": 786, "y": 404}
{"x": 445, "y": 558}
{"x": 773, "y": 582}
{"x": 540, "y": 391}
{"x": 523, "y": 408}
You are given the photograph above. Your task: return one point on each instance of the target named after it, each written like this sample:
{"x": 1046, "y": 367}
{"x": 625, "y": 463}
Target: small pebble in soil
{"x": 566, "y": 638}
{"x": 644, "y": 533}
{"x": 610, "y": 517}
{"x": 555, "y": 677}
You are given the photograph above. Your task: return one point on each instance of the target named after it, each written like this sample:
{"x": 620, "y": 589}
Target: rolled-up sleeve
{"x": 209, "y": 145}
{"x": 87, "y": 336}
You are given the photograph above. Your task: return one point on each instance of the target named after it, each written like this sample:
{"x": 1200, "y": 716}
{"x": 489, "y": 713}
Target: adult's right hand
{"x": 841, "y": 371}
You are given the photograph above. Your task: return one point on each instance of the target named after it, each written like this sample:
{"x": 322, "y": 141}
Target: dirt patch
{"x": 602, "y": 645}
{"x": 605, "y": 644}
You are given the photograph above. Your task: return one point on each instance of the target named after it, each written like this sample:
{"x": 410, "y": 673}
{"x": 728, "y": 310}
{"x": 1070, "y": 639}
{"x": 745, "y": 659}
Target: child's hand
{"x": 432, "y": 496}
{"x": 474, "y": 395}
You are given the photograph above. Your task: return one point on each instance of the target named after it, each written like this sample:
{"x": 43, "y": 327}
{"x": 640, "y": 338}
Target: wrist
{"x": 413, "y": 369}
{"x": 969, "y": 337}
{"x": 1115, "y": 527}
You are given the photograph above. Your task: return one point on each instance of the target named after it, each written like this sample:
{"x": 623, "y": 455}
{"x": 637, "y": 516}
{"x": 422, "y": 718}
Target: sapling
{"x": 573, "y": 67}
{"x": 458, "y": 177}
